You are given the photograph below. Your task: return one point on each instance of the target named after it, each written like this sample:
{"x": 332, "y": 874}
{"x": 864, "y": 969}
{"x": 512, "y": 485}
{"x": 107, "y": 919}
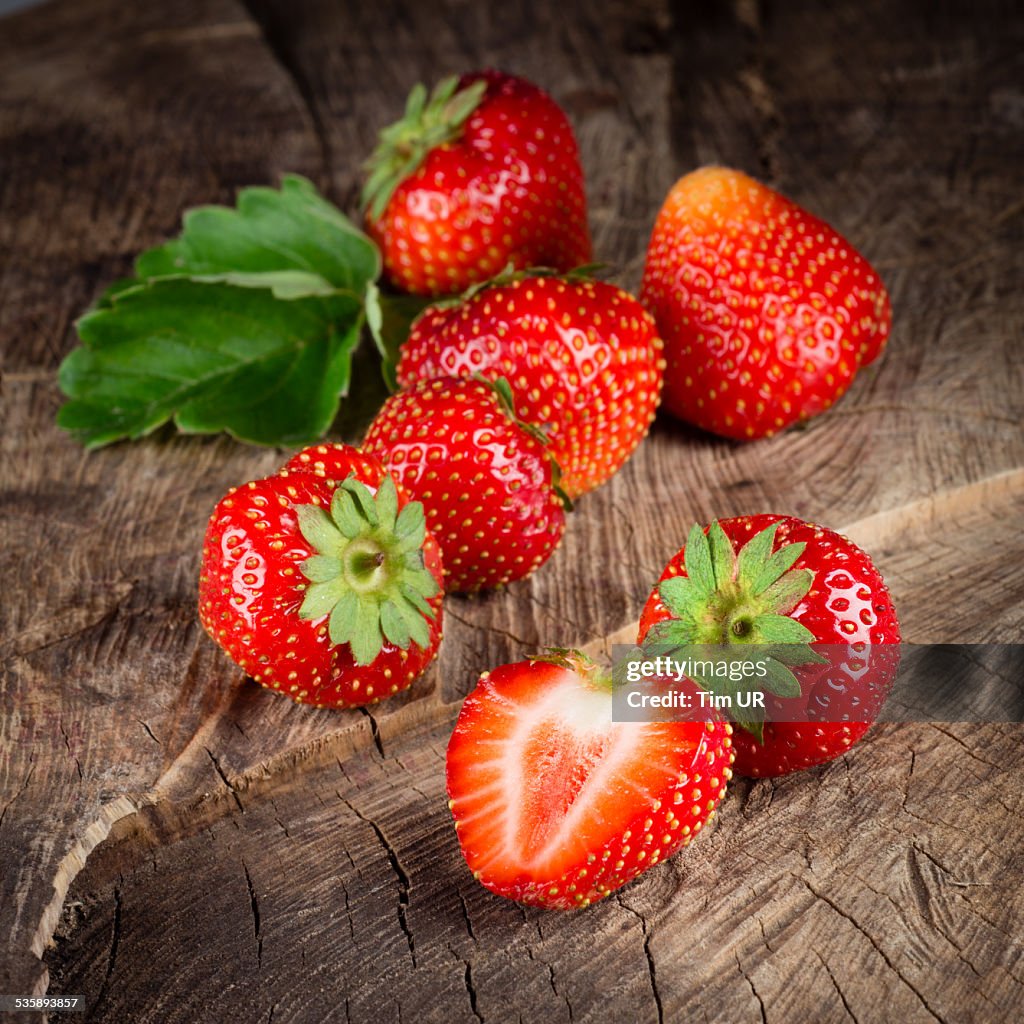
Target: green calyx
{"x": 368, "y": 572}
{"x": 429, "y": 121}
{"x": 574, "y": 660}
{"x": 513, "y": 274}
{"x": 729, "y": 599}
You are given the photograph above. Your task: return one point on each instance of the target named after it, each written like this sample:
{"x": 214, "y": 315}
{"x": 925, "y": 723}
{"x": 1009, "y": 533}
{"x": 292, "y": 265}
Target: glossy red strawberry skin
{"x": 485, "y": 482}
{"x": 557, "y": 806}
{"x": 510, "y": 190}
{"x": 251, "y": 588}
{"x": 766, "y": 311}
{"x": 583, "y": 359}
{"x": 848, "y": 608}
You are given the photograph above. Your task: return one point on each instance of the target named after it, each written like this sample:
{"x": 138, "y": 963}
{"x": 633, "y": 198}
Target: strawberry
{"x": 327, "y": 590}
{"x": 583, "y": 359}
{"x": 481, "y": 174}
{"x": 778, "y": 580}
{"x": 767, "y": 313}
{"x": 556, "y": 804}
{"x": 485, "y": 480}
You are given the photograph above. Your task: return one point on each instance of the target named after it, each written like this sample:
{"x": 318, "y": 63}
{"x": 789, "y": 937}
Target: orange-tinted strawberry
{"x": 486, "y": 481}
{"x": 583, "y": 359}
{"x": 556, "y": 804}
{"x": 811, "y": 594}
{"x": 483, "y": 173}
{"x": 326, "y": 590}
{"x": 767, "y": 313}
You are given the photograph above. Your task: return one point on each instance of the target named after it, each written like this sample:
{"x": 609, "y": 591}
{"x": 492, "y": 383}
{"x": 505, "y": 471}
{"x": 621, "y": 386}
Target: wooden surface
{"x": 178, "y": 845}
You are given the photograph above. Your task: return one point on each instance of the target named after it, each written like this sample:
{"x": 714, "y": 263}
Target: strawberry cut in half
{"x": 557, "y": 805}
{"x": 583, "y": 359}
{"x": 766, "y": 311}
{"x": 820, "y": 605}
{"x": 325, "y": 590}
{"x": 487, "y": 482}
{"x": 481, "y": 174}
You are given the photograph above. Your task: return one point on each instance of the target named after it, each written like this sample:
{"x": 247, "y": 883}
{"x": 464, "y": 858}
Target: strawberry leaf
{"x": 723, "y": 559}
{"x": 211, "y": 357}
{"x": 697, "y": 559}
{"x": 292, "y": 231}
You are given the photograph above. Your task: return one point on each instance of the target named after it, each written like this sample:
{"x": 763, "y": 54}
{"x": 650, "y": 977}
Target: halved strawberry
{"x": 556, "y": 804}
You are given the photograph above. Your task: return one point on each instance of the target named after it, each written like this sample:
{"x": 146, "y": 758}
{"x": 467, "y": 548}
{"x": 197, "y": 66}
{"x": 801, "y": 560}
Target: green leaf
{"x": 794, "y": 654}
{"x": 723, "y": 558}
{"x": 284, "y": 284}
{"x": 754, "y": 554}
{"x": 777, "y": 565}
{"x": 697, "y": 558}
{"x": 780, "y": 680}
{"x": 318, "y": 528}
{"x": 320, "y": 599}
{"x": 271, "y": 230}
{"x": 754, "y": 726}
{"x": 780, "y": 629}
{"x": 345, "y": 513}
{"x": 321, "y": 568}
{"x": 366, "y": 639}
{"x": 682, "y": 597}
{"x": 413, "y": 609}
{"x": 390, "y": 318}
{"x": 211, "y": 357}
{"x": 411, "y": 526}
{"x": 342, "y": 623}
{"x": 394, "y": 625}
{"x": 676, "y": 632}
{"x": 362, "y": 499}
{"x": 788, "y": 591}
{"x": 387, "y": 503}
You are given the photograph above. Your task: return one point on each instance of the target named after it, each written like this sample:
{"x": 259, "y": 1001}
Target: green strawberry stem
{"x": 576, "y": 661}
{"x": 368, "y": 573}
{"x": 503, "y": 390}
{"x": 728, "y": 599}
{"x": 428, "y": 122}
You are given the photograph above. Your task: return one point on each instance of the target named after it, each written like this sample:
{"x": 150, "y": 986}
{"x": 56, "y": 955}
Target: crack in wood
{"x": 404, "y": 884}
{"x": 115, "y": 941}
{"x": 839, "y": 991}
{"x": 374, "y": 730}
{"x": 471, "y": 990}
{"x": 254, "y": 906}
{"x": 21, "y": 789}
{"x": 648, "y": 956}
{"x": 225, "y": 779}
{"x": 874, "y": 945}
{"x": 67, "y": 743}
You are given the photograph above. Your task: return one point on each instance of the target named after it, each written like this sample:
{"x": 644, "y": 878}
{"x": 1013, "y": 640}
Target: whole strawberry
{"x": 486, "y": 481}
{"x": 583, "y": 359}
{"x": 767, "y": 313}
{"x": 556, "y": 804}
{"x": 771, "y": 579}
{"x": 327, "y": 590}
{"x": 481, "y": 174}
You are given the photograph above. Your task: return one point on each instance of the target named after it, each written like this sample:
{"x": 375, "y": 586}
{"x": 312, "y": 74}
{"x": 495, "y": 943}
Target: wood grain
{"x": 117, "y": 713}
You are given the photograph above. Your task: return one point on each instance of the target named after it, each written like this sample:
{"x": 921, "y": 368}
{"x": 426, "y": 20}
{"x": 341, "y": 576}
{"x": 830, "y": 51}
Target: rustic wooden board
{"x": 900, "y": 124}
